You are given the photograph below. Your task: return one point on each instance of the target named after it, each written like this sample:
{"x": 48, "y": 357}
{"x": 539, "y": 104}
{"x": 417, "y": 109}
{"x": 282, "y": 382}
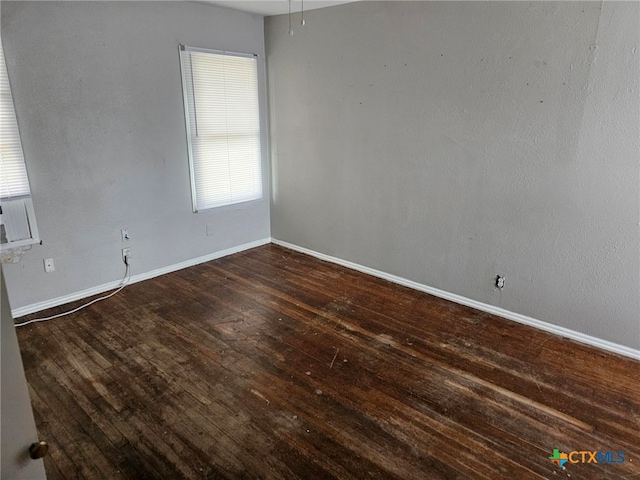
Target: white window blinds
{"x": 13, "y": 173}
{"x": 223, "y": 127}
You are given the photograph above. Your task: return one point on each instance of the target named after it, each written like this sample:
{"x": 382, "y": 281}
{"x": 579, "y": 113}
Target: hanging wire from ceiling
{"x": 302, "y": 22}
{"x": 290, "y": 27}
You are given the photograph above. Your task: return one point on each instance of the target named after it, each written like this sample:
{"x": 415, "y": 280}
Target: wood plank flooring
{"x": 273, "y": 364}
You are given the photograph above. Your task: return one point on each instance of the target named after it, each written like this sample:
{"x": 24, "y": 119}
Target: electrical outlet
{"x": 125, "y": 235}
{"x": 500, "y": 282}
{"x": 126, "y": 255}
{"x": 210, "y": 230}
{"x": 48, "y": 265}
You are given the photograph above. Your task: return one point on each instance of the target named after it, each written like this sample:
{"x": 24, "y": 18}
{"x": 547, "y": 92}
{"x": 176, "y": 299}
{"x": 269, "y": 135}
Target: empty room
{"x": 320, "y": 240}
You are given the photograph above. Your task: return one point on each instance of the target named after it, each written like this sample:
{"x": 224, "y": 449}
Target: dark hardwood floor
{"x": 273, "y": 364}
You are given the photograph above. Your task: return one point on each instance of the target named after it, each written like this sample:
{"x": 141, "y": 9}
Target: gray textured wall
{"x": 448, "y": 142}
{"x": 99, "y": 102}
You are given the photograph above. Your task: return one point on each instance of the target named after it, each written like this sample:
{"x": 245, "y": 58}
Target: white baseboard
{"x": 501, "y": 312}
{"x": 36, "y": 307}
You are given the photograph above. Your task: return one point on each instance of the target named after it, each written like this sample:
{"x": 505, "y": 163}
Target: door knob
{"x": 38, "y": 450}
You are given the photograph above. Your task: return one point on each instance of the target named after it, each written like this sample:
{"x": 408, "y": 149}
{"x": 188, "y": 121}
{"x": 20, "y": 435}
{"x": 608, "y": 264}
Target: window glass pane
{"x": 222, "y": 112}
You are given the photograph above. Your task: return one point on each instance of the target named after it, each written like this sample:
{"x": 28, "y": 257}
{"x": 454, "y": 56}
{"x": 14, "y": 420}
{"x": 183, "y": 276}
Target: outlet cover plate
{"x": 49, "y": 265}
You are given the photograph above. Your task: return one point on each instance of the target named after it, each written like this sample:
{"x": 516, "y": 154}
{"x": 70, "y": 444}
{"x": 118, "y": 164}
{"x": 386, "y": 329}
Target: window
{"x": 223, "y": 126}
{"x": 17, "y": 219}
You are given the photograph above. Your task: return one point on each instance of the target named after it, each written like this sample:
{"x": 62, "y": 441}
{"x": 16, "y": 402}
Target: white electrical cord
{"x": 125, "y": 282}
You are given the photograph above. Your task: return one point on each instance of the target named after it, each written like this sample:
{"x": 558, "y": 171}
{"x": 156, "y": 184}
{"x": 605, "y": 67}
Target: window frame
{"x": 26, "y": 198}
{"x": 183, "y": 49}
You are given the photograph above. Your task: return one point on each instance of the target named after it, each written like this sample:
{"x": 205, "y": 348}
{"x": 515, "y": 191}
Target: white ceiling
{"x": 276, "y": 7}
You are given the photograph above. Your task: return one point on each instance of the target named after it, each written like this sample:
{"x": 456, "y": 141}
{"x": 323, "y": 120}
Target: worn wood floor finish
{"x": 272, "y": 364}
